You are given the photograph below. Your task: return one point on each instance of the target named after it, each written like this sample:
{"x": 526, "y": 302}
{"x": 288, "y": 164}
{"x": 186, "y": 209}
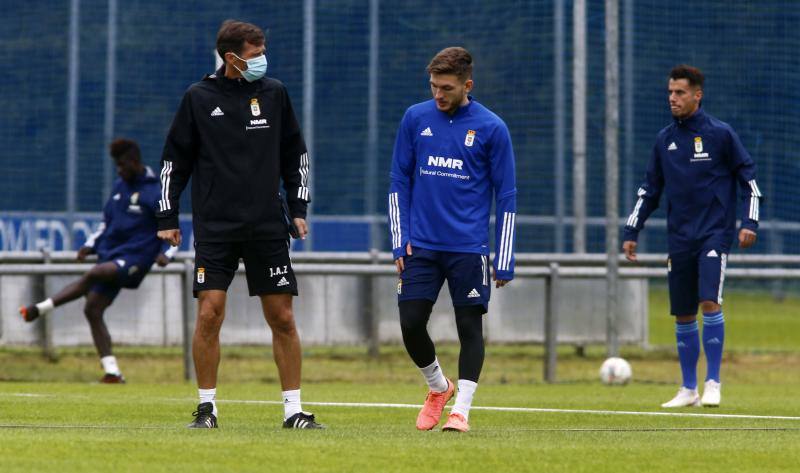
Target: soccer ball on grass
{"x": 615, "y": 371}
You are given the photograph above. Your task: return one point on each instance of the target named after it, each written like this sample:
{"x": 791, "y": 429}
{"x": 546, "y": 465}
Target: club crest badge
{"x": 470, "y": 139}
{"x": 201, "y": 275}
{"x": 134, "y": 206}
{"x": 698, "y": 144}
{"x": 399, "y": 286}
{"x": 254, "y": 108}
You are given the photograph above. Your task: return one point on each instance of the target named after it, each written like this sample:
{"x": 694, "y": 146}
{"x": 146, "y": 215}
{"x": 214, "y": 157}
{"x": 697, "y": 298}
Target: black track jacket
{"x": 237, "y": 140}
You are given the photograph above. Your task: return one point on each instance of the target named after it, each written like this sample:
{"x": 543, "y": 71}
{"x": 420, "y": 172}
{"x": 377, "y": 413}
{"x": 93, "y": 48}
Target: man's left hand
{"x": 498, "y": 283}
{"x": 747, "y": 238}
{"x": 302, "y": 227}
{"x": 162, "y": 260}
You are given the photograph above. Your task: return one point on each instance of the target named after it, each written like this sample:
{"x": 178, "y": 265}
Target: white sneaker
{"x": 685, "y": 398}
{"x": 711, "y": 394}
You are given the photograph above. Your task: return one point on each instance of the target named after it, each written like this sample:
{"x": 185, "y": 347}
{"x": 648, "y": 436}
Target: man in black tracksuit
{"x": 236, "y": 134}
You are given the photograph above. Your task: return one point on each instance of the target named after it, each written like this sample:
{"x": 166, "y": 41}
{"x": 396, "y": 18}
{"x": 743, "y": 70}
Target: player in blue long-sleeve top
{"x": 126, "y": 247}
{"x": 451, "y": 156}
{"x": 697, "y": 162}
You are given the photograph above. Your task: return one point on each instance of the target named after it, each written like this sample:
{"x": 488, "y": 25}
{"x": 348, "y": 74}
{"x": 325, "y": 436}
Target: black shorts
{"x": 266, "y": 262}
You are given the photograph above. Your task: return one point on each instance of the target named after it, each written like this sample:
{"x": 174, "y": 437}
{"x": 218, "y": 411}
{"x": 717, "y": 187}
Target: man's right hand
{"x": 173, "y": 236}
{"x": 399, "y": 261}
{"x": 83, "y": 252}
{"x": 629, "y": 247}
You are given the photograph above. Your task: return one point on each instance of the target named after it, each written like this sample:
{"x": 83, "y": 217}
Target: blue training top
{"x": 444, "y": 171}
{"x": 129, "y": 224}
{"x": 697, "y": 162}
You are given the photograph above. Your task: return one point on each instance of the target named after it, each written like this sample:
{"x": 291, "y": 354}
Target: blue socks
{"x": 689, "y": 347}
{"x": 713, "y": 339}
{"x": 688, "y": 352}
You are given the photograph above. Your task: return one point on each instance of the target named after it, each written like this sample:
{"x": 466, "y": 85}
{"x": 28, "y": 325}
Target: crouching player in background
{"x": 697, "y": 161}
{"x": 451, "y": 155}
{"x": 126, "y": 245}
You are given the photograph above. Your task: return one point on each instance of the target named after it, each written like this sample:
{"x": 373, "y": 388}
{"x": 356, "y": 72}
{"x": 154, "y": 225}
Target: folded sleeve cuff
{"x": 168, "y": 223}
{"x": 630, "y": 234}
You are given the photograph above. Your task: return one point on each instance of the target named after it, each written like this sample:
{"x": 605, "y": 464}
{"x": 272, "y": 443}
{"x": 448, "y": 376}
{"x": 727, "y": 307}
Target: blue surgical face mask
{"x": 256, "y": 68}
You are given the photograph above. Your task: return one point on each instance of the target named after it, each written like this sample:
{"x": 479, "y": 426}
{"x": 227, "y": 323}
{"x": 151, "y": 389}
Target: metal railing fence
{"x": 551, "y": 267}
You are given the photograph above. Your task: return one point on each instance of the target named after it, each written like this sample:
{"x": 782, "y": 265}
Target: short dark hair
{"x": 453, "y": 60}
{"x": 123, "y": 147}
{"x": 233, "y": 34}
{"x": 690, "y": 73}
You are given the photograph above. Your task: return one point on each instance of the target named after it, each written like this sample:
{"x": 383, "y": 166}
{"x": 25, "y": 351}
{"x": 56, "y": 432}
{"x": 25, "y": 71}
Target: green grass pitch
{"x": 139, "y": 427}
{"x": 54, "y": 418}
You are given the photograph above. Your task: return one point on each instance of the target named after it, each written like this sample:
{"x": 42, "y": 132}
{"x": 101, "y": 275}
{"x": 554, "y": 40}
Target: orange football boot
{"x": 431, "y": 412}
{"x": 30, "y": 313}
{"x": 456, "y": 423}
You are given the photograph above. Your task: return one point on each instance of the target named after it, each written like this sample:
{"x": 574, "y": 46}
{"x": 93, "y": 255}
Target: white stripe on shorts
{"x": 723, "y": 262}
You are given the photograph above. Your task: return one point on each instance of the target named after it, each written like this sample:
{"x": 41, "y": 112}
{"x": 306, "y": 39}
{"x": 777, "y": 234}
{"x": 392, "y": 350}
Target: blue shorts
{"x": 131, "y": 271}
{"x": 694, "y": 277}
{"x": 467, "y": 276}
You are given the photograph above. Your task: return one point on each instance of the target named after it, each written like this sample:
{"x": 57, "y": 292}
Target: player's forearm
{"x": 94, "y": 237}
{"x": 168, "y": 222}
{"x": 645, "y": 205}
{"x": 751, "y": 198}
{"x": 177, "y": 164}
{"x": 630, "y": 234}
{"x": 295, "y": 168}
{"x": 174, "y": 176}
{"x": 505, "y": 232}
{"x": 398, "y": 211}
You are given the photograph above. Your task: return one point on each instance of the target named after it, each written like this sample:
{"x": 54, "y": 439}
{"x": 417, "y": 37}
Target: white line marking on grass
{"x": 484, "y": 408}
{"x": 97, "y": 427}
{"x": 25, "y": 395}
{"x": 588, "y": 430}
{"x": 526, "y": 409}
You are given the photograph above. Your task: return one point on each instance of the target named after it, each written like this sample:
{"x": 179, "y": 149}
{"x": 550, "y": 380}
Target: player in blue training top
{"x": 697, "y": 162}
{"x": 126, "y": 247}
{"x": 451, "y": 155}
